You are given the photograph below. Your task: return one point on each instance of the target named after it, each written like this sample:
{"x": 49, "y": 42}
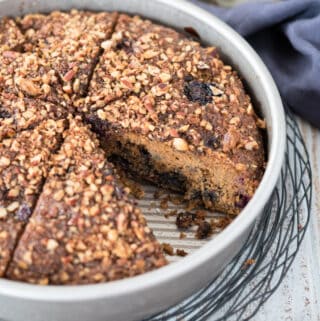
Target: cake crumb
{"x": 185, "y": 220}
{"x": 167, "y": 249}
{"x": 219, "y": 223}
{"x": 204, "y": 230}
{"x": 182, "y": 235}
{"x": 248, "y": 263}
{"x": 171, "y": 213}
{"x": 164, "y": 204}
{"x": 180, "y": 252}
{"x": 201, "y": 215}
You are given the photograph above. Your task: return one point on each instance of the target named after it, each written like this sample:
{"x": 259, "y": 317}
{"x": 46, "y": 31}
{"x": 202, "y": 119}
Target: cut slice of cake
{"x": 70, "y": 43}
{"x": 28, "y": 75}
{"x": 24, "y": 164}
{"x": 84, "y": 228}
{"x": 18, "y": 114}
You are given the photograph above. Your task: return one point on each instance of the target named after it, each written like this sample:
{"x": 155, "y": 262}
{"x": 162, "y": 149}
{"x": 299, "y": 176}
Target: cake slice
{"x": 24, "y": 163}
{"x": 18, "y": 114}
{"x": 142, "y": 55}
{"x": 84, "y": 228}
{"x": 28, "y": 75}
{"x": 11, "y": 37}
{"x": 70, "y": 43}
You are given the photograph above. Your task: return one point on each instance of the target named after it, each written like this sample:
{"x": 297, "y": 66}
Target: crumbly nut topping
{"x": 18, "y": 113}
{"x": 28, "y": 75}
{"x": 10, "y": 35}
{"x": 23, "y": 168}
{"x": 143, "y": 56}
{"x": 69, "y": 43}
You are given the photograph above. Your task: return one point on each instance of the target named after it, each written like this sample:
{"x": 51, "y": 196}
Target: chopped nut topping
{"x": 180, "y": 144}
{"x": 3, "y": 212}
{"x": 4, "y": 161}
{"x": 52, "y": 245}
{"x": 251, "y": 145}
{"x": 28, "y": 87}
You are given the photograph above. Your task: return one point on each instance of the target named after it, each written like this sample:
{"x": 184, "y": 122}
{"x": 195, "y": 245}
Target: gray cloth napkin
{"x": 286, "y": 35}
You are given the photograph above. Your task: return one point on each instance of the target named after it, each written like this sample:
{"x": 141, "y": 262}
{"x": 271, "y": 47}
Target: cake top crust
{"x": 69, "y": 42}
{"x": 23, "y": 167}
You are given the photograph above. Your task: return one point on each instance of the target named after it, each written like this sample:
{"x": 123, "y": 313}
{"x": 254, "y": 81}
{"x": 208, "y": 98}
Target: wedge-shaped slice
{"x": 18, "y": 114}
{"x": 84, "y": 228}
{"x": 143, "y": 56}
{"x": 199, "y": 138}
{"x": 24, "y": 164}
{"x": 11, "y": 37}
{"x": 70, "y": 42}
{"x": 28, "y": 75}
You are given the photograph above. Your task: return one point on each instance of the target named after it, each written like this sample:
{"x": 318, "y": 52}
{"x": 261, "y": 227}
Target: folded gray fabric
{"x": 286, "y": 35}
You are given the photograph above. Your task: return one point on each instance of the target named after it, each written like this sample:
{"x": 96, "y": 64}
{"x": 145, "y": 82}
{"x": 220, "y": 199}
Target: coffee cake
{"x": 152, "y": 101}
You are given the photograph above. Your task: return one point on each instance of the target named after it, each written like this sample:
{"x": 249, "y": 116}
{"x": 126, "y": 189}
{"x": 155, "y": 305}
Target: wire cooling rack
{"x": 257, "y": 271}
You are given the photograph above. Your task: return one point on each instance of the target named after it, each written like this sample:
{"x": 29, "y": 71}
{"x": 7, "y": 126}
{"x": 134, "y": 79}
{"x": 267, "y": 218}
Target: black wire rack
{"x": 263, "y": 262}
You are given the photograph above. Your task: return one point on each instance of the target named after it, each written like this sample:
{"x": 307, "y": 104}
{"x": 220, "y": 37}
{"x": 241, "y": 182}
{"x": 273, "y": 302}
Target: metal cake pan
{"x": 141, "y": 296}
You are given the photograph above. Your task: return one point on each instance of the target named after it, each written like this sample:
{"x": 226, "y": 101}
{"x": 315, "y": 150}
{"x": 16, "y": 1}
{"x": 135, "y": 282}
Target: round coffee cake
{"x": 82, "y": 93}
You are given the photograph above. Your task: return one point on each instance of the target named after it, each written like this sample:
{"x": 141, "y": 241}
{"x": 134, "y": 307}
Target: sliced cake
{"x": 70, "y": 42}
{"x": 191, "y": 148}
{"x": 142, "y": 56}
{"x": 24, "y": 164}
{"x": 84, "y": 228}
{"x": 18, "y": 114}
